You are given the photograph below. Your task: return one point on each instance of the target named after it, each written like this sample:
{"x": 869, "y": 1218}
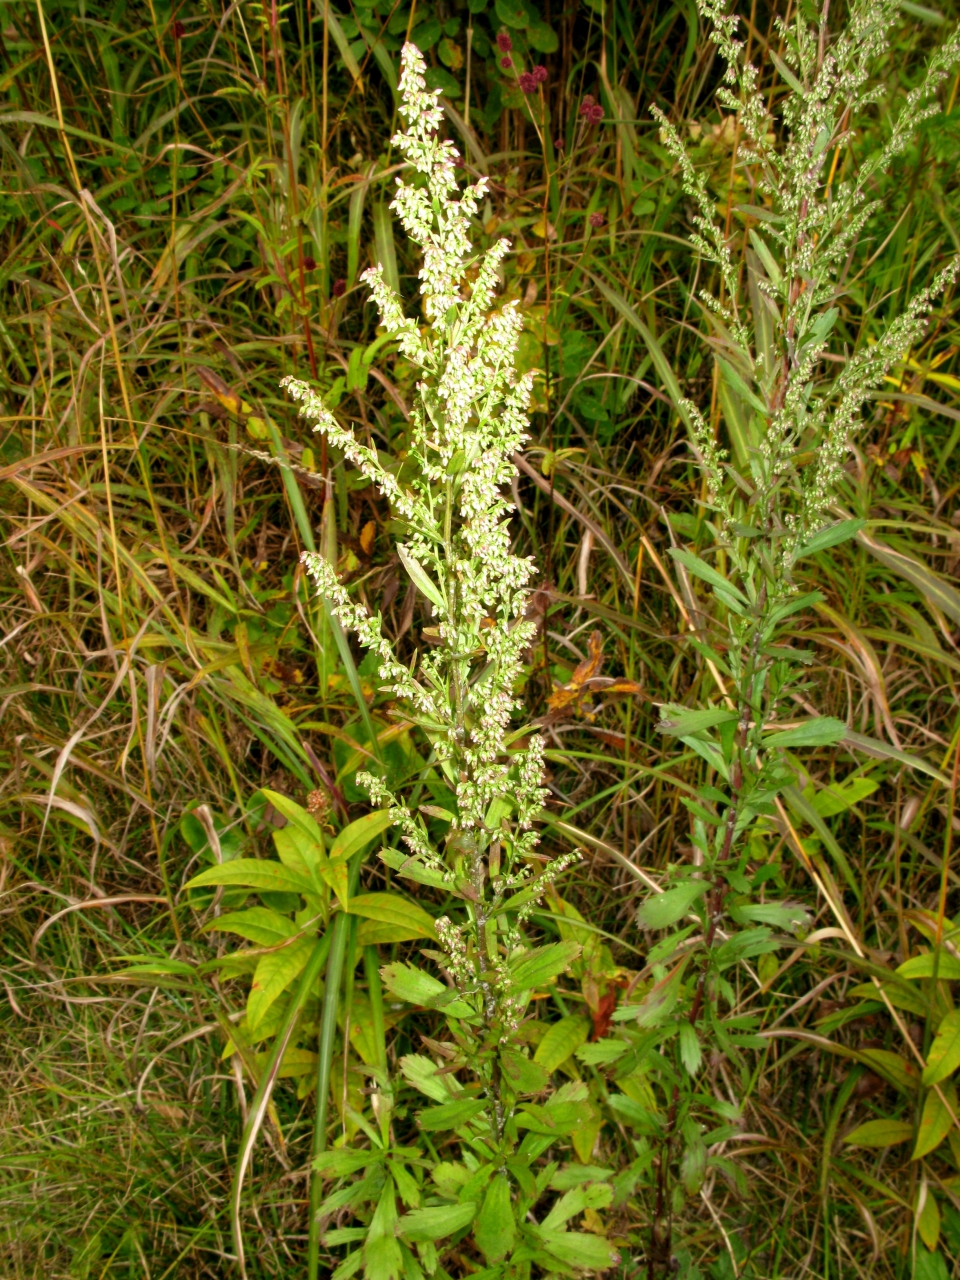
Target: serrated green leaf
{"x": 495, "y": 1229}
{"x": 539, "y": 966}
{"x": 690, "y": 1053}
{"x": 522, "y": 1074}
{"x": 436, "y": 1223}
{"x": 451, "y": 1115}
{"x": 410, "y": 984}
{"x": 580, "y": 1249}
{"x": 406, "y": 918}
{"x": 424, "y": 1074}
{"x": 563, "y": 1038}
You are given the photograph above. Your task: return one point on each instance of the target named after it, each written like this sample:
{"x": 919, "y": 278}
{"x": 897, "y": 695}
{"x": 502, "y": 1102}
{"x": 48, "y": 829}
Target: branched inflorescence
{"x": 468, "y": 420}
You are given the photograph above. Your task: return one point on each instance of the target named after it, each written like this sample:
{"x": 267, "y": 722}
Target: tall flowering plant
{"x": 480, "y": 847}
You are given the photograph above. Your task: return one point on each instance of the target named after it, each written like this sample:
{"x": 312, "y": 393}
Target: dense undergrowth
{"x": 188, "y": 200}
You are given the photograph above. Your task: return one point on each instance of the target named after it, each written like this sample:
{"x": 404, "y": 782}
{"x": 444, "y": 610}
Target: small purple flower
{"x": 179, "y": 30}
{"x": 309, "y": 264}
{"x": 596, "y": 220}
{"x": 506, "y": 62}
{"x": 587, "y": 104}
{"x": 339, "y": 288}
{"x": 539, "y": 74}
{"x": 528, "y": 82}
{"x": 504, "y": 43}
{"x": 596, "y": 114}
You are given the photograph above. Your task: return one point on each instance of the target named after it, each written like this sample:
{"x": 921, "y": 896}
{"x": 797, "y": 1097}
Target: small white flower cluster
{"x": 469, "y": 418}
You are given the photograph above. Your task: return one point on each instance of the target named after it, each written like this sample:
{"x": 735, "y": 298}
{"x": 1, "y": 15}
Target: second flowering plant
{"x": 487, "y": 1102}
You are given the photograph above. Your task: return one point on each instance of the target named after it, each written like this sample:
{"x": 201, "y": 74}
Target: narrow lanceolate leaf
{"x": 939, "y": 1108}
{"x": 253, "y": 873}
{"x": 562, "y": 1039}
{"x": 661, "y": 910}
{"x": 680, "y": 722}
{"x": 406, "y": 919}
{"x": 701, "y": 569}
{"x": 944, "y": 1056}
{"x": 436, "y": 1223}
{"x": 831, "y": 536}
{"x": 823, "y": 731}
{"x": 543, "y": 964}
{"x": 360, "y": 833}
{"x": 275, "y": 972}
{"x": 422, "y": 580}
{"x": 880, "y": 1133}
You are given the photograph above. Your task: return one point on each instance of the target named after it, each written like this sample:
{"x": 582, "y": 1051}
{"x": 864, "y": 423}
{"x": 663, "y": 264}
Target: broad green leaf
{"x": 422, "y": 580}
{"x": 823, "y": 731}
{"x": 838, "y": 797}
{"x": 298, "y": 852}
{"x": 779, "y": 915}
{"x": 928, "y": 1221}
{"x": 563, "y": 1038}
{"x": 525, "y": 1076}
{"x": 424, "y": 1074}
{"x": 275, "y": 972}
{"x": 944, "y": 1056}
{"x": 262, "y": 925}
{"x": 927, "y": 1265}
{"x": 701, "y": 569}
{"x": 541, "y": 965}
{"x": 580, "y": 1249}
{"x": 661, "y": 910}
{"x": 345, "y": 1160}
{"x": 946, "y": 966}
{"x": 451, "y": 1115}
{"x": 406, "y": 919}
{"x": 690, "y": 1053}
{"x": 682, "y": 721}
{"x": 436, "y": 1223}
{"x": 495, "y": 1229}
{"x": 831, "y": 536}
{"x": 410, "y": 984}
{"x": 574, "y": 1201}
{"x": 935, "y": 1121}
{"x": 358, "y": 834}
{"x": 880, "y": 1133}
{"x": 254, "y": 873}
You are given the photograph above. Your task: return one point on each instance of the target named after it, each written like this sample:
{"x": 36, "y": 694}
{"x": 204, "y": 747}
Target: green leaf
{"x": 297, "y": 816}
{"x": 524, "y": 1076}
{"x": 436, "y": 1223}
{"x": 944, "y": 1056}
{"x": 690, "y": 1053}
{"x": 254, "y": 873}
{"x": 451, "y": 1115}
{"x": 831, "y": 536}
{"x": 538, "y": 967}
{"x": 542, "y": 37}
{"x": 936, "y": 1120}
{"x": 681, "y": 722}
{"x": 422, "y": 580}
{"x": 262, "y": 925}
{"x": 406, "y": 919}
{"x": 700, "y": 569}
{"x": 880, "y": 1133}
{"x": 659, "y": 1002}
{"x": 275, "y": 972}
{"x": 563, "y": 1038}
{"x": 495, "y": 1229}
{"x": 345, "y": 1160}
{"x": 359, "y": 834}
{"x": 410, "y": 984}
{"x": 947, "y": 966}
{"x": 780, "y": 915}
{"x": 424, "y": 1074}
{"x": 512, "y": 13}
{"x": 661, "y": 910}
{"x": 824, "y": 731}
{"x": 580, "y": 1249}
